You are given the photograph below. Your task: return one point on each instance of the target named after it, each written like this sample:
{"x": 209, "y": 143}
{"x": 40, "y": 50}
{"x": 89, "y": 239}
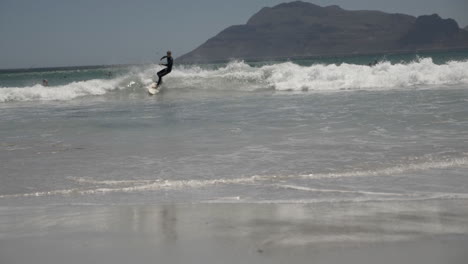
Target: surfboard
{"x": 153, "y": 89}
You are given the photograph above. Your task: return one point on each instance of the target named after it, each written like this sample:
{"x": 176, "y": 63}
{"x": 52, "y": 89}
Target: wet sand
{"x": 434, "y": 231}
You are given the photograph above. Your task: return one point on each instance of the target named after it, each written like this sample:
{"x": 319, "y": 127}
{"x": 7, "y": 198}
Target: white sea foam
{"x": 308, "y": 189}
{"x": 63, "y": 92}
{"x": 287, "y": 76}
{"x": 112, "y": 186}
{"x": 449, "y": 163}
{"x": 292, "y": 77}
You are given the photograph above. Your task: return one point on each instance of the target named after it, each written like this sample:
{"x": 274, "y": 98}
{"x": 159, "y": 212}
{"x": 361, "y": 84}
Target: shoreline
{"x": 384, "y": 232}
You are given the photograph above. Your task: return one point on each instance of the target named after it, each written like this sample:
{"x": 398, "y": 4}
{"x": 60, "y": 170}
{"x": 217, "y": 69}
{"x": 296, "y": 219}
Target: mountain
{"x": 433, "y": 32}
{"x": 300, "y": 29}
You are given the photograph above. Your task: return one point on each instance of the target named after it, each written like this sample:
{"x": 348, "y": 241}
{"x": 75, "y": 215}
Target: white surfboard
{"x": 153, "y": 89}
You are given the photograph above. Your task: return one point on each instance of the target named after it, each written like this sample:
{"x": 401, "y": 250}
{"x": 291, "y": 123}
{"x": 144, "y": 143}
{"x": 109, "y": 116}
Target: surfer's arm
{"x": 163, "y": 64}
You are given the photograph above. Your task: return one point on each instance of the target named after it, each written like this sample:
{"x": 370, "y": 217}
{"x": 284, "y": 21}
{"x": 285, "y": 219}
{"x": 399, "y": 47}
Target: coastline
{"x": 247, "y": 60}
{"x": 332, "y": 55}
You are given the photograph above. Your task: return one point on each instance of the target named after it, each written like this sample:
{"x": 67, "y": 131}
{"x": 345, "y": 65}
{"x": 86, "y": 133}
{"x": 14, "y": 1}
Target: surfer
{"x": 373, "y": 63}
{"x": 167, "y": 70}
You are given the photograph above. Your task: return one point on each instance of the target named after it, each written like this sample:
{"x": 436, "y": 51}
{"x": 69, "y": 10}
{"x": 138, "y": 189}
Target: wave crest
{"x": 286, "y": 76}
{"x": 62, "y": 93}
{"x": 289, "y": 76}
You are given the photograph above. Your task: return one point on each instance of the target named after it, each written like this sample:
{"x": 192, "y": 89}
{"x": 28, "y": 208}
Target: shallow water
{"x": 238, "y": 133}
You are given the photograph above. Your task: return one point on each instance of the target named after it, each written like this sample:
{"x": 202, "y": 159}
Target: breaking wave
{"x": 240, "y": 76}
{"x": 289, "y": 76}
{"x": 58, "y": 93}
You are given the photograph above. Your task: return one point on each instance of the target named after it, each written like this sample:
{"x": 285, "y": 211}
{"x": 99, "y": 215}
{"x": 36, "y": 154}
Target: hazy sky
{"x": 43, "y": 33}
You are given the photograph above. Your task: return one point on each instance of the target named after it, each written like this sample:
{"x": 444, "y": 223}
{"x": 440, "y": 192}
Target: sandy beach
{"x": 326, "y": 163}
{"x": 375, "y": 232}
{"x": 282, "y": 132}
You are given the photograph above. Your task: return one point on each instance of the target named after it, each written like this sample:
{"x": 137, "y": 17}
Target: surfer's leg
{"x": 161, "y": 73}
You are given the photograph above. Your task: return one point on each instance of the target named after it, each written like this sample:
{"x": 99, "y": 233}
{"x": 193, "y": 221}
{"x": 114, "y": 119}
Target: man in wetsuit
{"x": 167, "y": 70}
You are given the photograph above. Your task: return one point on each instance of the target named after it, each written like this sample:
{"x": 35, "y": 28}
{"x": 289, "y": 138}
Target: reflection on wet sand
{"x": 261, "y": 233}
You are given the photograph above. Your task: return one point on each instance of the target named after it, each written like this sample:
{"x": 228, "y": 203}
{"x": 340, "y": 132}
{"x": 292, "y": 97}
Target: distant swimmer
{"x": 45, "y": 82}
{"x": 167, "y": 70}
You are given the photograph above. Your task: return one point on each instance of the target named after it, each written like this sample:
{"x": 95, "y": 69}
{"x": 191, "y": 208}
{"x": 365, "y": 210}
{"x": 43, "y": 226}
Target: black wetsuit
{"x": 167, "y": 70}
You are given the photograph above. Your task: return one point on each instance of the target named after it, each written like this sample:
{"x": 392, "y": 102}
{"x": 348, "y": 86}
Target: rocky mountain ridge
{"x": 301, "y": 29}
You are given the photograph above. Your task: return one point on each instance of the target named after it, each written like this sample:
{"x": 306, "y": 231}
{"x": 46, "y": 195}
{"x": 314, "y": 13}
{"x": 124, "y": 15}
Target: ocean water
{"x": 316, "y": 131}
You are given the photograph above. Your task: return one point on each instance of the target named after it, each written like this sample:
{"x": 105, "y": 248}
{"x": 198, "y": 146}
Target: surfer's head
{"x": 169, "y": 53}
